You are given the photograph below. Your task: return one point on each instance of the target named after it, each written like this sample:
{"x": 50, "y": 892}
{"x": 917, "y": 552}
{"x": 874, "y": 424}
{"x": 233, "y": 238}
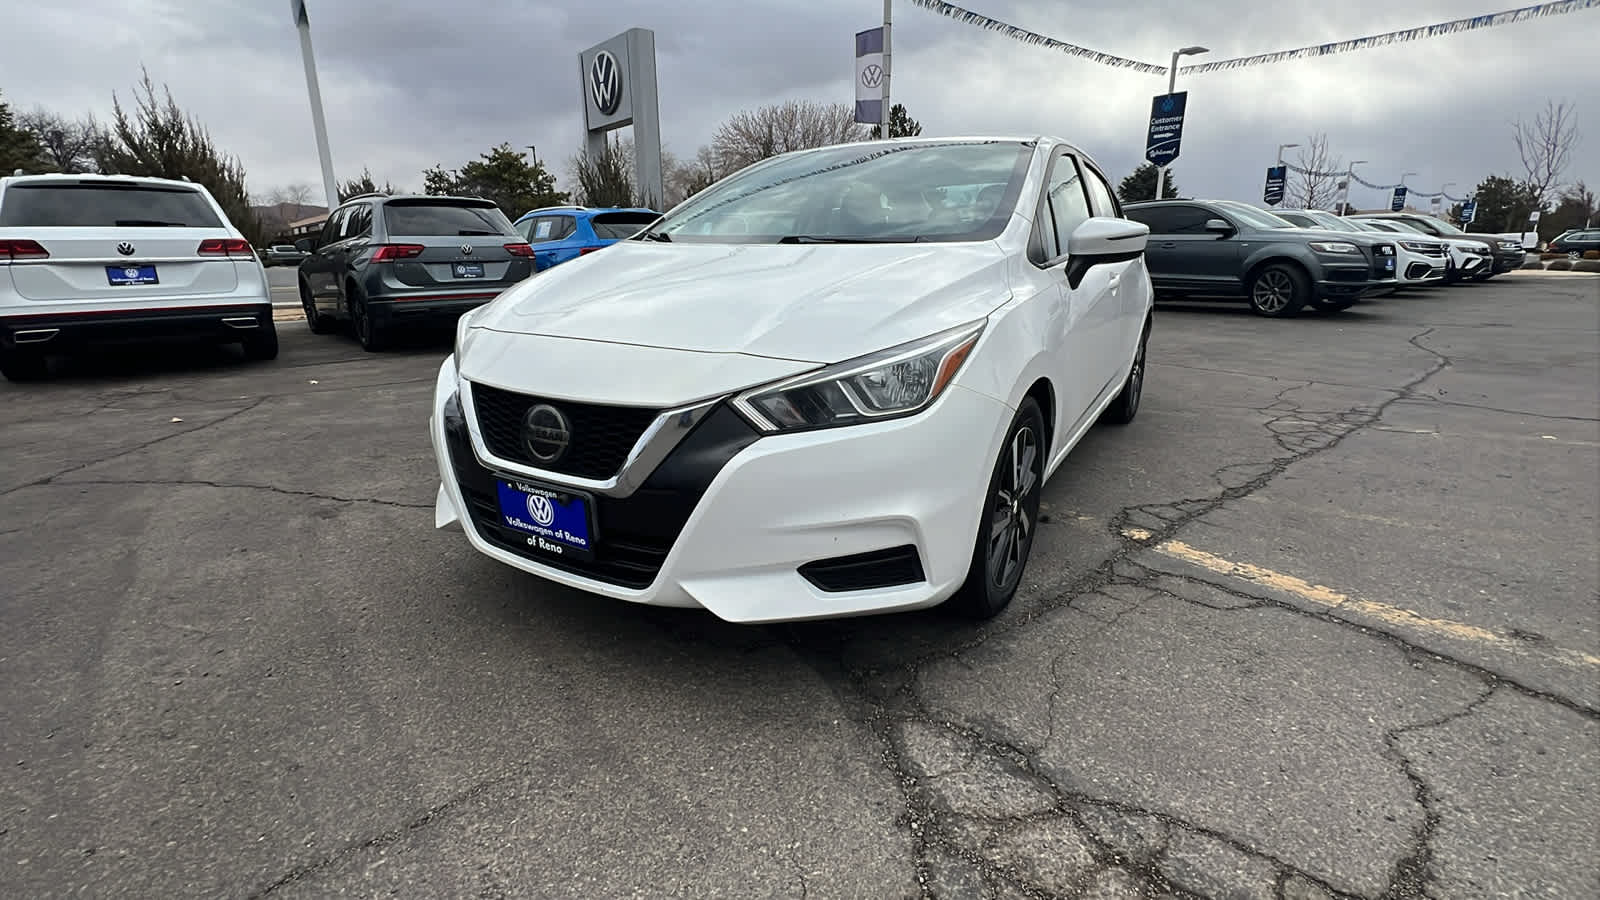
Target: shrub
{"x": 1559, "y": 265}
{"x": 1591, "y": 254}
{"x": 1586, "y": 265}
{"x": 1547, "y": 256}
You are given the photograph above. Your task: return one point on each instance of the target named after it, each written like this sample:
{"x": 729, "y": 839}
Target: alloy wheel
{"x": 1273, "y": 290}
{"x": 1011, "y": 514}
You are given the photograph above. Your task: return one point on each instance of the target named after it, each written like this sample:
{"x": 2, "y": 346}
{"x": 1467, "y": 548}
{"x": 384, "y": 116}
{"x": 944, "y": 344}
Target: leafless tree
{"x": 690, "y": 177}
{"x": 750, "y": 136}
{"x": 1317, "y": 186}
{"x": 68, "y": 144}
{"x": 1546, "y": 146}
{"x": 297, "y": 194}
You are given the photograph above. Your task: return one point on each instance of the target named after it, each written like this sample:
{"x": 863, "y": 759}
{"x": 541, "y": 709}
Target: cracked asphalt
{"x": 1323, "y": 622}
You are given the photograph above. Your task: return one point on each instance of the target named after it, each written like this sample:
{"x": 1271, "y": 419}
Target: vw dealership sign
{"x": 619, "y": 88}
{"x": 1277, "y": 178}
{"x": 1166, "y": 128}
{"x": 1399, "y": 201}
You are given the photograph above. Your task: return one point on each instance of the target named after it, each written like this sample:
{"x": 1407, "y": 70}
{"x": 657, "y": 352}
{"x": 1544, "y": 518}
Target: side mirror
{"x": 305, "y": 245}
{"x": 1220, "y": 226}
{"x": 1102, "y": 240}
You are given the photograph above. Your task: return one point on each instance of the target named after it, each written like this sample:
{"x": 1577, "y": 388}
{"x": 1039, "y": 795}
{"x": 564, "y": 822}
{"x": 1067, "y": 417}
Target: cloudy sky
{"x": 408, "y": 83}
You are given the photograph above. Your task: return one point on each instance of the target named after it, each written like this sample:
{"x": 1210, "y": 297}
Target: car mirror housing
{"x": 1102, "y": 240}
{"x": 1219, "y": 226}
{"x": 305, "y": 245}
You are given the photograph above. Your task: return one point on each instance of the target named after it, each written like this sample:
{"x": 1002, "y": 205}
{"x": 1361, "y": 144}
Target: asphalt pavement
{"x": 285, "y": 289}
{"x": 1323, "y": 622}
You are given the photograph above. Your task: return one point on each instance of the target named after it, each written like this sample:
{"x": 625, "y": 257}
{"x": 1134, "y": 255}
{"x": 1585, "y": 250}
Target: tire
{"x": 316, "y": 321}
{"x": 372, "y": 338}
{"x": 1574, "y": 255}
{"x": 1126, "y": 406}
{"x": 23, "y": 366}
{"x": 1279, "y": 291}
{"x": 263, "y": 344}
{"x": 1002, "y": 544}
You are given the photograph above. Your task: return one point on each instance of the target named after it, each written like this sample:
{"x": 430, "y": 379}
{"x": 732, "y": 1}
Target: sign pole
{"x": 330, "y": 185}
{"x": 888, "y": 13}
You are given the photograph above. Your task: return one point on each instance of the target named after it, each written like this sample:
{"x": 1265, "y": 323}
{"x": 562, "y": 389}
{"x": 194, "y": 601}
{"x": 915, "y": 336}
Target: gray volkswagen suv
{"x": 383, "y": 262}
{"x": 1223, "y": 249}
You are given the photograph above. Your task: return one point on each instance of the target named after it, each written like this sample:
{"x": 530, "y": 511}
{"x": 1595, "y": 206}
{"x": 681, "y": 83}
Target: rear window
{"x": 620, "y": 225}
{"x": 57, "y": 205}
{"x": 404, "y": 219}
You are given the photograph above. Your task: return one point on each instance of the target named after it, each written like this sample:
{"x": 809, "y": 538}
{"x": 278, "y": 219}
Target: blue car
{"x": 560, "y": 233}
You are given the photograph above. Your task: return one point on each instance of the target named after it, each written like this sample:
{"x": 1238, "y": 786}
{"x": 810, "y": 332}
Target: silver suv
{"x": 383, "y": 262}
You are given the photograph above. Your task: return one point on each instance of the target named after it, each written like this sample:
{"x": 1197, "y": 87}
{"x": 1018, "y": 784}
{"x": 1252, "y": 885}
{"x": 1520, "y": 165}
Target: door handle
{"x": 1169, "y": 245}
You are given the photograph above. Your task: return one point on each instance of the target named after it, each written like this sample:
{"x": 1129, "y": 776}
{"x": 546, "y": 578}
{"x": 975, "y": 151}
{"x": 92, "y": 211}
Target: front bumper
{"x": 728, "y": 519}
{"x": 63, "y": 331}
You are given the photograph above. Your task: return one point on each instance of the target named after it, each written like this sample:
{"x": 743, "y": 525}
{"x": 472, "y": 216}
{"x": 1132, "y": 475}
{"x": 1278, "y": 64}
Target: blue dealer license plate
{"x": 555, "y": 522}
{"x": 119, "y": 275}
{"x": 467, "y": 270}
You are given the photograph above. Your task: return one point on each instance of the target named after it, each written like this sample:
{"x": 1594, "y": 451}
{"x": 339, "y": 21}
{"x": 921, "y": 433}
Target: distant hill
{"x": 275, "y": 218}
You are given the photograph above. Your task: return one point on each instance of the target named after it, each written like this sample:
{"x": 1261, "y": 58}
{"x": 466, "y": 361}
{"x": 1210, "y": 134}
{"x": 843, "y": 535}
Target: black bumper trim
{"x": 224, "y": 324}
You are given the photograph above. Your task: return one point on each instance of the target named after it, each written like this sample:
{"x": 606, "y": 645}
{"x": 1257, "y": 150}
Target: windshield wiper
{"x": 654, "y": 236}
{"x": 831, "y": 239}
{"x": 148, "y": 223}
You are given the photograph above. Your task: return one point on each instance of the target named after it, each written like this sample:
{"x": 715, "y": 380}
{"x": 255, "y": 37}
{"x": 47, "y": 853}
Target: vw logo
{"x": 605, "y": 82}
{"x": 872, "y": 75}
{"x": 125, "y": 248}
{"x": 541, "y": 509}
{"x": 130, "y": 272}
{"x": 546, "y": 433}
{"x": 1166, "y": 105}
{"x": 466, "y": 249}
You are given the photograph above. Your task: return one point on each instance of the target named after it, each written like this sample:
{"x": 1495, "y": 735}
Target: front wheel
{"x": 315, "y": 320}
{"x": 1279, "y": 291}
{"x": 1010, "y": 517}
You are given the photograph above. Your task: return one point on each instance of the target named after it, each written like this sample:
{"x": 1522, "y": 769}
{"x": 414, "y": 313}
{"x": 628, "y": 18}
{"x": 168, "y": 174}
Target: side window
{"x": 1189, "y": 220}
{"x": 549, "y": 228}
{"x": 331, "y": 228}
{"x": 361, "y": 222}
{"x": 1105, "y": 202}
{"x": 1065, "y": 202}
{"x": 1157, "y": 218}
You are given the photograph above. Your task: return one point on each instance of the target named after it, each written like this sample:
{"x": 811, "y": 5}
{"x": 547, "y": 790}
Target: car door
{"x": 1207, "y": 261}
{"x": 318, "y": 267}
{"x": 1083, "y": 327}
{"x": 357, "y": 238}
{"x": 1128, "y": 287}
{"x": 547, "y": 234}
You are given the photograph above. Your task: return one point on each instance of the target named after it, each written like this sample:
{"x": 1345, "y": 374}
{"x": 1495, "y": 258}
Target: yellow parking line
{"x": 1325, "y": 596}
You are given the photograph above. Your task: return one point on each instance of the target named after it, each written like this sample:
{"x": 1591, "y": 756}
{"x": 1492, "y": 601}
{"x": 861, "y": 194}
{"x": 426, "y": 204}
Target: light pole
{"x": 1343, "y": 206}
{"x": 1172, "y": 85}
{"x": 1281, "y": 148}
{"x": 1404, "y": 177}
{"x": 330, "y": 185}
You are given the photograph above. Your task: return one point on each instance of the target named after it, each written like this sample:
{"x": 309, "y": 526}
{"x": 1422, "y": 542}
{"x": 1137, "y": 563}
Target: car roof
{"x": 89, "y": 178}
{"x": 583, "y": 211}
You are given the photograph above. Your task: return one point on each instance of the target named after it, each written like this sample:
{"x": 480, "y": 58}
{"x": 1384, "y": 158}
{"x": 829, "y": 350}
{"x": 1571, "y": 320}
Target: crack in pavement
{"x": 1413, "y": 870}
{"x": 136, "y": 448}
{"x": 290, "y": 492}
{"x": 1303, "y": 434}
{"x": 428, "y": 817}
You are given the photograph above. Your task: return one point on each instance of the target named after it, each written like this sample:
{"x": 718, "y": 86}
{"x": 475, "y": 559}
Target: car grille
{"x": 633, "y": 534}
{"x": 1430, "y": 250}
{"x": 602, "y": 436}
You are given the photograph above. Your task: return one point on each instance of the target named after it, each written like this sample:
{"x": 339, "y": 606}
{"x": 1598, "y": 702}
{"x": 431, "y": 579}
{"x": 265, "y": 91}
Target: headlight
{"x": 1334, "y": 247}
{"x": 1510, "y": 245}
{"x": 1418, "y": 246}
{"x": 896, "y": 382}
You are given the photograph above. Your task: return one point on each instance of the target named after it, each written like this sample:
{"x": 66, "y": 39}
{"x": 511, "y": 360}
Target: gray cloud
{"x": 407, "y": 83}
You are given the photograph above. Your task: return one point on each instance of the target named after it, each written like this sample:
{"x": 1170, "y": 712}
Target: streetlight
{"x": 1344, "y": 194}
{"x": 1281, "y": 148}
{"x": 1404, "y": 177}
{"x": 1172, "y": 85}
{"x": 330, "y": 185}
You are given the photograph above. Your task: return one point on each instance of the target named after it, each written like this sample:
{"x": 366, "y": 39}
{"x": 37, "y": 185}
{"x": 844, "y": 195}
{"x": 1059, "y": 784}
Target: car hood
{"x": 819, "y": 303}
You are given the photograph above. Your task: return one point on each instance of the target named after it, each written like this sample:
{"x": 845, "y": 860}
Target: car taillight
{"x": 588, "y": 250}
{"x": 390, "y": 252}
{"x": 225, "y": 247}
{"x": 21, "y": 249}
{"x": 519, "y": 249}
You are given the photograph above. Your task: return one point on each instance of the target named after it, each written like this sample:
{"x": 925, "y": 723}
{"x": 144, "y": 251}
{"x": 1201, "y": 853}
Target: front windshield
{"x": 1404, "y": 225}
{"x": 1329, "y": 220}
{"x": 956, "y": 191}
{"x": 1256, "y": 218}
{"x": 1439, "y": 225}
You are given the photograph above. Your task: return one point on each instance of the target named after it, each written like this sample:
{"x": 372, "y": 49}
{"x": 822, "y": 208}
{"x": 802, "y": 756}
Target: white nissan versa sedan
{"x": 849, "y": 409}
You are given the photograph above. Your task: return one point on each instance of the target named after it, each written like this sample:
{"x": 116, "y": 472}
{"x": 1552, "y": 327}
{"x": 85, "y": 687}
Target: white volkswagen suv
{"x": 831, "y": 384}
{"x": 95, "y": 259}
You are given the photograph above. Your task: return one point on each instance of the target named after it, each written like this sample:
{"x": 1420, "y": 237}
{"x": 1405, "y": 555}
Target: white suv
{"x": 97, "y": 259}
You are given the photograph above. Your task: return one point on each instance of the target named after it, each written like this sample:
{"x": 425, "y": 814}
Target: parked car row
{"x": 1284, "y": 261}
